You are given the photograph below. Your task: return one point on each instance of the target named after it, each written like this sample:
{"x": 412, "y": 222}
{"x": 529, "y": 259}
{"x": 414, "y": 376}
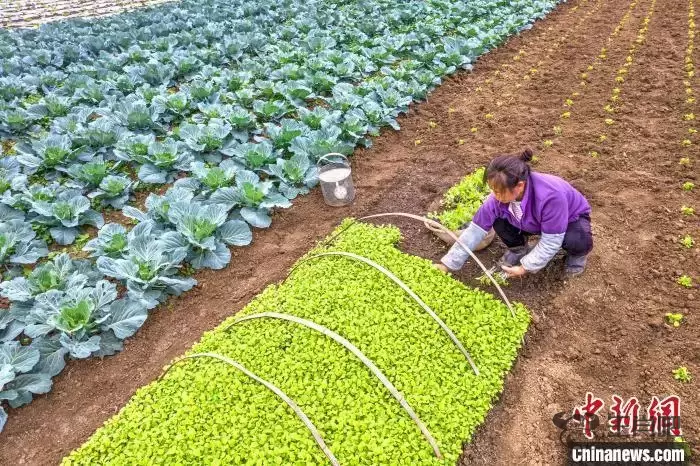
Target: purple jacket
{"x": 549, "y": 205}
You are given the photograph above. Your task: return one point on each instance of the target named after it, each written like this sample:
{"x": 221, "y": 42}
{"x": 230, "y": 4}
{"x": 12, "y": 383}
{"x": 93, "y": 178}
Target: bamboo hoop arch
{"x": 410, "y": 292}
{"x": 361, "y": 356}
{"x": 435, "y": 224}
{"x": 297, "y": 410}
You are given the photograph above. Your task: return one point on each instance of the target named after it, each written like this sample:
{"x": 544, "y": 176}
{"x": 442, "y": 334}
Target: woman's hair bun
{"x": 526, "y": 155}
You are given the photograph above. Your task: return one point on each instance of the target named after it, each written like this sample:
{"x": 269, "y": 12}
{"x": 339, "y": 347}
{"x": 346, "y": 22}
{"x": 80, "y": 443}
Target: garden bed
{"x": 204, "y": 411}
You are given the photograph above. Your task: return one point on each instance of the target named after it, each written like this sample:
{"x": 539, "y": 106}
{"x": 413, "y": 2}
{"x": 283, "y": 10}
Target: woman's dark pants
{"x": 578, "y": 240}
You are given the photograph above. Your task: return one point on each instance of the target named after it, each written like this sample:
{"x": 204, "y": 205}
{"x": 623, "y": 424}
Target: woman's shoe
{"x": 575, "y": 265}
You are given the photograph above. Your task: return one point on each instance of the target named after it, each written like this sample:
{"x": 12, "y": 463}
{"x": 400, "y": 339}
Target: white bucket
{"x": 335, "y": 177}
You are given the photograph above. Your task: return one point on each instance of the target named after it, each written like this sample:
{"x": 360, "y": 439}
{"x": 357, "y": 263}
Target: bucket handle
{"x": 347, "y": 161}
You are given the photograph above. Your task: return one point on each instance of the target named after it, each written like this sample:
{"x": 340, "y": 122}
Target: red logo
{"x": 625, "y": 417}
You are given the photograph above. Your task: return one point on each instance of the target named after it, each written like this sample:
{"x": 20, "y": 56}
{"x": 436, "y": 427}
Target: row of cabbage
{"x": 233, "y": 111}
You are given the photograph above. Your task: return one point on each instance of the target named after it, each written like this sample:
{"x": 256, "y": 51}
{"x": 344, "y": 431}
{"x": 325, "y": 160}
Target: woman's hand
{"x": 441, "y": 267}
{"x": 512, "y": 272}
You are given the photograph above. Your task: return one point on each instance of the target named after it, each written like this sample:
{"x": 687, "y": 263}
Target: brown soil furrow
{"x": 499, "y": 97}
{"x": 552, "y": 38}
{"x": 552, "y": 86}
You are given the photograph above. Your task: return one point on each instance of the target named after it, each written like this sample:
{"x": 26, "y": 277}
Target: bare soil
{"x": 602, "y": 332}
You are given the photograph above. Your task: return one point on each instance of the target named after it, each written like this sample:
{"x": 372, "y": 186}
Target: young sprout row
{"x": 501, "y": 75}
{"x": 689, "y": 118}
{"x": 534, "y": 70}
{"x": 521, "y": 53}
{"x": 535, "y": 67}
{"x": 615, "y": 99}
{"x": 570, "y": 99}
{"x": 682, "y": 374}
{"x": 689, "y": 102}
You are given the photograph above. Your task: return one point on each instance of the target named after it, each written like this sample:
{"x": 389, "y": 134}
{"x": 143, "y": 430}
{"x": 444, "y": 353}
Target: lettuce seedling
{"x": 688, "y": 241}
{"x": 682, "y": 374}
{"x": 674, "y": 319}
{"x": 685, "y": 281}
{"x": 688, "y": 211}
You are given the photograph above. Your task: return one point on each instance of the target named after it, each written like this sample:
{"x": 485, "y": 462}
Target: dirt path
{"x": 602, "y": 332}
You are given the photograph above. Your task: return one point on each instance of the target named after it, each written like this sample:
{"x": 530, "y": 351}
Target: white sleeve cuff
{"x": 546, "y": 248}
{"x": 457, "y": 256}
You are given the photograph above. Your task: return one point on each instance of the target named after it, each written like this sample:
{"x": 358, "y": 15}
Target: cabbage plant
{"x": 208, "y": 232}
{"x": 133, "y": 147}
{"x": 17, "y": 382}
{"x": 254, "y": 197}
{"x": 99, "y": 135}
{"x": 173, "y": 106}
{"x": 157, "y": 206}
{"x": 151, "y": 265}
{"x": 253, "y": 155}
{"x": 136, "y": 114}
{"x": 283, "y": 134}
{"x": 321, "y": 142}
{"x": 201, "y": 91}
{"x": 89, "y": 174}
{"x": 163, "y": 161}
{"x": 270, "y": 109}
{"x": 45, "y": 154}
{"x": 61, "y": 273}
{"x": 11, "y": 178}
{"x": 113, "y": 191}
{"x": 18, "y": 243}
{"x": 93, "y": 93}
{"x": 65, "y": 214}
{"x": 242, "y": 122}
{"x": 80, "y": 316}
{"x": 22, "y": 195}
{"x": 14, "y": 121}
{"x": 111, "y": 241}
{"x": 51, "y": 106}
{"x": 208, "y": 139}
{"x": 296, "y": 175}
{"x": 206, "y": 179}
{"x": 12, "y": 87}
{"x": 319, "y": 117}
{"x": 210, "y": 111}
